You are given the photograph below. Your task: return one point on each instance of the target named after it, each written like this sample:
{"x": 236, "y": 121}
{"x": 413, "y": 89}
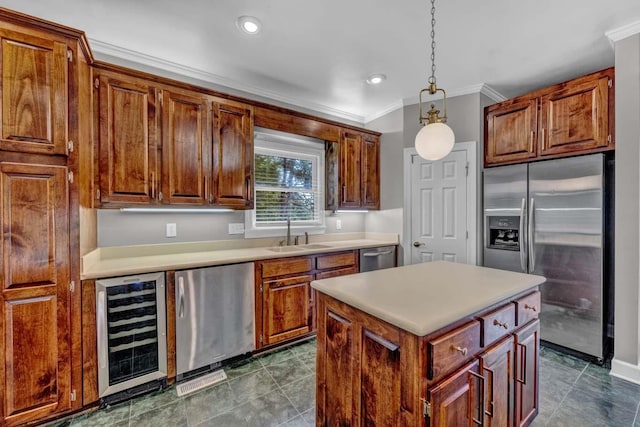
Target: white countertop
{"x": 422, "y": 298}
{"x": 124, "y": 260}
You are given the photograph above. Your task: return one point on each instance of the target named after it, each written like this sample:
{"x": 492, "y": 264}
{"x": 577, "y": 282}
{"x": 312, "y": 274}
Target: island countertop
{"x": 422, "y": 298}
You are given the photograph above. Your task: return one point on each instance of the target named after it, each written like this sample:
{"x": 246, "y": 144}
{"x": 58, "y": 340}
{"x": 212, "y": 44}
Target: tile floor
{"x": 278, "y": 389}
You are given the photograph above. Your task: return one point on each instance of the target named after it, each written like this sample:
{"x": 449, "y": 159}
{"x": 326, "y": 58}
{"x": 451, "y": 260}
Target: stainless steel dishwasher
{"x": 377, "y": 258}
{"x": 214, "y": 315}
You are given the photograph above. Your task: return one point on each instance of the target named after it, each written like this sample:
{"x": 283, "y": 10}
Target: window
{"x": 289, "y": 177}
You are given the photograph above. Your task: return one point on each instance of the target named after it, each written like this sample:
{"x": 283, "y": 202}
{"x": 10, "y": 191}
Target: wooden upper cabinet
{"x": 233, "y": 155}
{"x": 34, "y": 92}
{"x": 350, "y": 173}
{"x": 35, "y": 297}
{"x": 570, "y": 118}
{"x": 511, "y": 132}
{"x": 186, "y": 149}
{"x": 127, "y": 140}
{"x": 575, "y": 117}
{"x": 370, "y": 172}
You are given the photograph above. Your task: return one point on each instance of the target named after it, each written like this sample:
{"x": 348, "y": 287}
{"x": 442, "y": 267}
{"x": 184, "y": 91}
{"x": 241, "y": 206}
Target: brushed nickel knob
{"x": 418, "y": 244}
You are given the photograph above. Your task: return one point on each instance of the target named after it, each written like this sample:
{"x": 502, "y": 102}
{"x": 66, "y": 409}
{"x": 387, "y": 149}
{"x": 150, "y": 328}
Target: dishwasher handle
{"x": 377, "y": 253}
{"x": 102, "y": 329}
{"x": 180, "y": 297}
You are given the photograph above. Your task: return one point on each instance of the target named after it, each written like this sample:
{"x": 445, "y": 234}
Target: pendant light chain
{"x": 432, "y": 79}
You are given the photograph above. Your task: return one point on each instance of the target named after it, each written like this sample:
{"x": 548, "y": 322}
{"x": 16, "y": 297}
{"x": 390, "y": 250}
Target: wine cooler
{"x": 131, "y": 328}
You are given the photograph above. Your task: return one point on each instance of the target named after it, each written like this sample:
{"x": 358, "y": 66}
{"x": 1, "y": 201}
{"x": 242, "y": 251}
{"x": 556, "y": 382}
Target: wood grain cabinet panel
{"x": 286, "y": 308}
{"x": 233, "y": 155}
{"x": 370, "y": 172}
{"x": 127, "y": 140}
{"x": 527, "y": 345}
{"x": 186, "y": 149}
{"x": 35, "y": 311}
{"x": 511, "y": 132}
{"x": 34, "y": 91}
{"x": 496, "y": 366}
{"x": 456, "y": 400}
{"x": 349, "y": 175}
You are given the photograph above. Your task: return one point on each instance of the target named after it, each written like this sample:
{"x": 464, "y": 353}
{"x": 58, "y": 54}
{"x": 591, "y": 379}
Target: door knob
{"x": 418, "y": 244}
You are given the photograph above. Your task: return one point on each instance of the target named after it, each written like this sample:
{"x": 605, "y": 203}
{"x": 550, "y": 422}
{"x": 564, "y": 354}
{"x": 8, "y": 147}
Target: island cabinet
{"x": 479, "y": 370}
{"x": 160, "y": 144}
{"x": 285, "y": 302}
{"x": 570, "y": 118}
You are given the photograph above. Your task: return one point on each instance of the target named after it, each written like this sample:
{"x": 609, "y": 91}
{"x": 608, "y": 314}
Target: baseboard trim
{"x": 625, "y": 370}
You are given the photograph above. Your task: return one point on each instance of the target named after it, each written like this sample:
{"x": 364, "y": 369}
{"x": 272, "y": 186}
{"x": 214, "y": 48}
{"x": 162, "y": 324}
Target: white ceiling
{"x": 317, "y": 54}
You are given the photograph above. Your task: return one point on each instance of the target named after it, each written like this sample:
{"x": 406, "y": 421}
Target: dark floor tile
{"x": 228, "y": 419}
{"x": 252, "y": 385}
{"x": 553, "y": 371}
{"x": 152, "y": 401}
{"x": 64, "y": 422}
{"x": 209, "y": 403}
{"x": 614, "y": 390}
{"x": 310, "y": 416}
{"x": 302, "y": 393}
{"x": 309, "y": 360}
{"x": 288, "y": 371}
{"x": 584, "y": 410}
{"x": 276, "y": 357}
{"x": 104, "y": 417}
{"x": 563, "y": 359}
{"x": 269, "y": 410}
{"x": 242, "y": 367}
{"x": 173, "y": 415}
{"x": 304, "y": 348}
{"x": 551, "y": 394}
{"x": 297, "y": 421}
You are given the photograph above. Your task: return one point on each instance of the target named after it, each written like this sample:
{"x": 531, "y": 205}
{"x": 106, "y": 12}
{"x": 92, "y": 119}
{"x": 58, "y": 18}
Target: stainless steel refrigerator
{"x": 554, "y": 218}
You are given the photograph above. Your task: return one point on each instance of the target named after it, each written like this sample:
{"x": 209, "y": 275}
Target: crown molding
{"x": 623, "y": 32}
{"x": 492, "y": 93}
{"x": 388, "y": 109}
{"x": 482, "y": 88}
{"x": 114, "y": 51}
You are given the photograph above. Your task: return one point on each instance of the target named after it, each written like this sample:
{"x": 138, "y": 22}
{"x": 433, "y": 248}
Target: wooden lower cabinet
{"x": 455, "y": 400}
{"x": 527, "y": 345}
{"x": 35, "y": 344}
{"x": 496, "y": 368}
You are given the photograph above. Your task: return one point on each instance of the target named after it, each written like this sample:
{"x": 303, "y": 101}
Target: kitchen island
{"x": 428, "y": 344}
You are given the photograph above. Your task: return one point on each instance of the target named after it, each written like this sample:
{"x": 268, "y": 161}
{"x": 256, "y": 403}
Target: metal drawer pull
{"x": 523, "y": 364}
{"x": 479, "y": 421}
{"x": 496, "y": 322}
{"x": 385, "y": 343}
{"x": 530, "y": 307}
{"x": 460, "y": 350}
{"x": 369, "y": 254}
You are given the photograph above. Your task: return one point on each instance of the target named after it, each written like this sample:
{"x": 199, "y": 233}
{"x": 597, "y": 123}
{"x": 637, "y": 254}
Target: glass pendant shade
{"x": 434, "y": 141}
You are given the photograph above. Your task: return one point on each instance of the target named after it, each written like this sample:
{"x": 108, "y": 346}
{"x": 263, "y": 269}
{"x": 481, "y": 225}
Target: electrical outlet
{"x": 236, "y": 228}
{"x": 338, "y": 224}
{"x": 172, "y": 230}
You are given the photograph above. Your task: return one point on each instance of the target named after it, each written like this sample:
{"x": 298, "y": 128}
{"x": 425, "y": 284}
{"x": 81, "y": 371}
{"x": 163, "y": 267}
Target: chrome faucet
{"x": 306, "y": 238}
{"x": 288, "y": 231}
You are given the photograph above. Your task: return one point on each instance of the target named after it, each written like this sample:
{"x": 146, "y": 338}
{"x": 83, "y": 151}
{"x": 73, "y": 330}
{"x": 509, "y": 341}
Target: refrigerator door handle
{"x": 532, "y": 253}
{"x": 523, "y": 252}
{"x": 180, "y": 297}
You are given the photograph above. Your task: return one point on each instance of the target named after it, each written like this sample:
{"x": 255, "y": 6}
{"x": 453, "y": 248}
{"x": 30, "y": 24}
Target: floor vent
{"x": 201, "y": 382}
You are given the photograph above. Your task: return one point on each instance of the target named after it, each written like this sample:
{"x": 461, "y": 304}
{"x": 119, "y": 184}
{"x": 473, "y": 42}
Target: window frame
{"x": 271, "y": 142}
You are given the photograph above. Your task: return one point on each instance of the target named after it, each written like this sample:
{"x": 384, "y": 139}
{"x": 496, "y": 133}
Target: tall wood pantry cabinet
{"x": 41, "y": 75}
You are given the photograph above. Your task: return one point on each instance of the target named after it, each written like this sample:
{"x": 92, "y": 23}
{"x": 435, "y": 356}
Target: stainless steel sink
{"x": 316, "y": 246}
{"x": 285, "y": 249}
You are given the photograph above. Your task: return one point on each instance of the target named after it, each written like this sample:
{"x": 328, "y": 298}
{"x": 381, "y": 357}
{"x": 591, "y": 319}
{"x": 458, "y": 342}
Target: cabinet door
{"x": 526, "y": 374}
{"x": 34, "y": 93}
{"x": 35, "y": 326}
{"x": 233, "y": 155}
{"x": 371, "y": 172}
{"x": 286, "y": 308}
{"x": 456, "y": 401}
{"x": 576, "y": 117}
{"x": 186, "y": 149}
{"x": 511, "y": 132}
{"x": 349, "y": 175}
{"x": 127, "y": 140}
{"x": 496, "y": 366}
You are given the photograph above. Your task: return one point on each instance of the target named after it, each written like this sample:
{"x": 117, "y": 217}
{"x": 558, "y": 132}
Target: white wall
{"x": 626, "y": 362}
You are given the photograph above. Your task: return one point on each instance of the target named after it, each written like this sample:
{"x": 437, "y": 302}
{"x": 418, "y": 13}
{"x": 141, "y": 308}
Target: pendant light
{"x": 435, "y": 140}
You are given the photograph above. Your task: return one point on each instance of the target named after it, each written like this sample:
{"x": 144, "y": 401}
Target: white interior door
{"x": 439, "y": 208}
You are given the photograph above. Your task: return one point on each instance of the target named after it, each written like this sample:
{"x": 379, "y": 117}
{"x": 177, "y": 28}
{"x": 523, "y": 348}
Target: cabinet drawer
{"x": 336, "y": 273}
{"x": 527, "y": 308}
{"x": 289, "y": 281}
{"x": 344, "y": 259}
{"x": 284, "y": 266}
{"x": 497, "y": 324}
{"x": 452, "y": 350}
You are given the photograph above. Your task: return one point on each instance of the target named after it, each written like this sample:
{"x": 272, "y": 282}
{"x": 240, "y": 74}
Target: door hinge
{"x": 73, "y": 395}
{"x": 70, "y": 177}
{"x": 69, "y": 55}
{"x": 261, "y": 288}
{"x": 72, "y": 286}
{"x": 261, "y": 339}
{"x": 98, "y": 194}
{"x": 609, "y": 139}
{"x": 160, "y": 195}
{"x": 610, "y": 83}
{"x": 466, "y": 169}
{"x": 413, "y": 156}
{"x": 96, "y": 83}
{"x": 467, "y": 235}
{"x": 70, "y": 146}
{"x": 160, "y": 98}
{"x": 426, "y": 408}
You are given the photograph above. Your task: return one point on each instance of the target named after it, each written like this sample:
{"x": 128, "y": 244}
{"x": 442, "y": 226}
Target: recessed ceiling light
{"x": 376, "y": 79}
{"x": 249, "y": 24}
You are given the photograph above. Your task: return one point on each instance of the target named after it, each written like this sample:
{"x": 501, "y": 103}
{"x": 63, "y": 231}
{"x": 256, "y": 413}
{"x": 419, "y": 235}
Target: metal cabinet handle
{"x": 531, "y": 307}
{"x": 417, "y": 244}
{"x": 532, "y": 253}
{"x": 491, "y": 405}
{"x": 180, "y": 297}
{"x": 496, "y": 322}
{"x": 153, "y": 185}
{"x": 386, "y": 344}
{"x": 101, "y": 329}
{"x": 377, "y": 253}
{"x": 480, "y": 422}
{"x": 462, "y": 350}
{"x": 521, "y": 243}
{"x": 523, "y": 364}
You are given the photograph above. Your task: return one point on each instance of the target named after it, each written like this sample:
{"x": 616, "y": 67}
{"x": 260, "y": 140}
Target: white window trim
{"x": 268, "y": 141}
